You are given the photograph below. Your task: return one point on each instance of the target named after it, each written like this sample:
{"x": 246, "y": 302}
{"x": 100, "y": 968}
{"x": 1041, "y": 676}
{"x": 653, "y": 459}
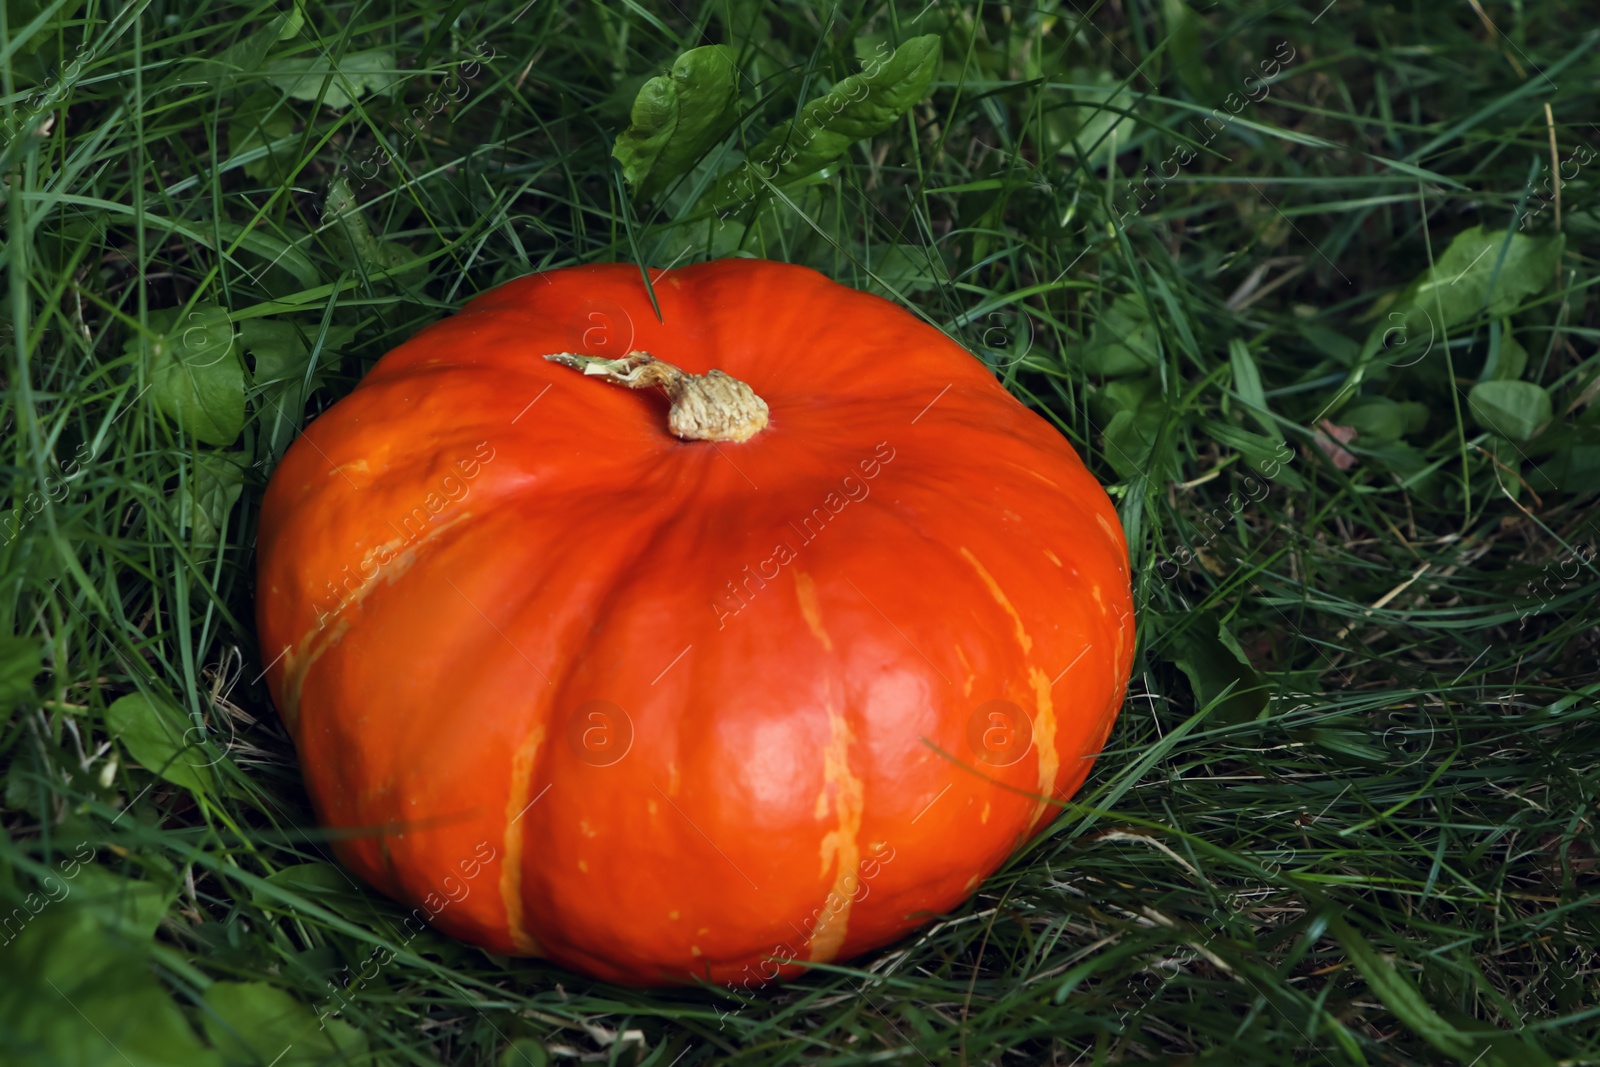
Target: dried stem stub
{"x": 705, "y": 407}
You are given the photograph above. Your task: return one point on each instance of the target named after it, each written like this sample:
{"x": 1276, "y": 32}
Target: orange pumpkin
{"x": 661, "y": 708}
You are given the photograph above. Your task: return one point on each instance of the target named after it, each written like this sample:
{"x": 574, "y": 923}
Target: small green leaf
{"x": 1185, "y": 48}
{"x": 903, "y": 269}
{"x": 351, "y": 78}
{"x": 1572, "y": 469}
{"x": 312, "y": 879}
{"x": 676, "y": 118}
{"x": 1415, "y": 415}
{"x": 263, "y": 121}
{"x": 1336, "y": 346}
{"x": 1094, "y": 123}
{"x": 19, "y": 662}
{"x": 1508, "y": 362}
{"x": 254, "y": 1023}
{"x": 1247, "y": 383}
{"x": 208, "y": 495}
{"x": 294, "y": 19}
{"x": 1375, "y": 418}
{"x": 241, "y": 57}
{"x": 1206, "y": 652}
{"x": 1130, "y": 449}
{"x": 862, "y": 105}
{"x": 68, "y": 967}
{"x": 1480, "y": 273}
{"x": 21, "y": 13}
{"x": 281, "y": 358}
{"x": 1139, "y": 395}
{"x": 1472, "y": 277}
{"x": 283, "y": 373}
{"x": 1135, "y": 411}
{"x": 158, "y": 738}
{"x": 524, "y": 1052}
{"x": 1397, "y": 456}
{"x": 132, "y": 907}
{"x": 322, "y": 884}
{"x": 195, "y": 373}
{"x": 1122, "y": 340}
{"x": 1515, "y": 410}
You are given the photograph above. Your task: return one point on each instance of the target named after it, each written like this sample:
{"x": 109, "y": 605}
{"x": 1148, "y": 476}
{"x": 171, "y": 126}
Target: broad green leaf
{"x": 1134, "y": 411}
{"x": 1122, "y": 340}
{"x": 1473, "y": 277}
{"x": 241, "y": 57}
{"x": 1247, "y": 383}
{"x": 860, "y": 106}
{"x": 352, "y": 77}
{"x": 19, "y": 662}
{"x": 1095, "y": 125}
{"x": 195, "y": 373}
{"x": 162, "y": 740}
{"x": 1572, "y": 469}
{"x": 281, "y": 358}
{"x": 1185, "y": 48}
{"x": 263, "y": 121}
{"x": 294, "y": 19}
{"x": 283, "y": 367}
{"x": 1415, "y": 415}
{"x": 1405, "y": 460}
{"x": 325, "y": 886}
{"x": 677, "y": 117}
{"x": 1336, "y": 346}
{"x": 22, "y": 793}
{"x": 1480, "y": 273}
{"x": 21, "y": 14}
{"x": 208, "y": 495}
{"x": 1515, "y": 410}
{"x": 1210, "y": 656}
{"x": 1507, "y": 363}
{"x": 524, "y": 1052}
{"x": 1377, "y": 418}
{"x": 1130, "y": 448}
{"x": 254, "y": 1023}
{"x": 902, "y": 268}
{"x": 67, "y": 967}
{"x": 283, "y": 373}
{"x": 132, "y": 907}
{"x": 1139, "y": 395}
{"x": 308, "y": 878}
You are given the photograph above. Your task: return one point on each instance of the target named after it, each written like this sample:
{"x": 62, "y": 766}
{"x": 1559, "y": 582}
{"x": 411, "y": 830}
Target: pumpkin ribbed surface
{"x": 661, "y": 708}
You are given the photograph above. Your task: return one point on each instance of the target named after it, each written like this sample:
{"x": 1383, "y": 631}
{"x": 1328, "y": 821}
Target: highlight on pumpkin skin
{"x": 705, "y": 407}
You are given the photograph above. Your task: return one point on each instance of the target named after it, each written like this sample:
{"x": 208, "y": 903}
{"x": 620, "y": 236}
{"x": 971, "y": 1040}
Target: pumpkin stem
{"x": 705, "y": 407}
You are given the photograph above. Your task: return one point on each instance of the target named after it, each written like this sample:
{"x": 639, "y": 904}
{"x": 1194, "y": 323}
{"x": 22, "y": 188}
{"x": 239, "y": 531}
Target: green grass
{"x": 1348, "y": 814}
